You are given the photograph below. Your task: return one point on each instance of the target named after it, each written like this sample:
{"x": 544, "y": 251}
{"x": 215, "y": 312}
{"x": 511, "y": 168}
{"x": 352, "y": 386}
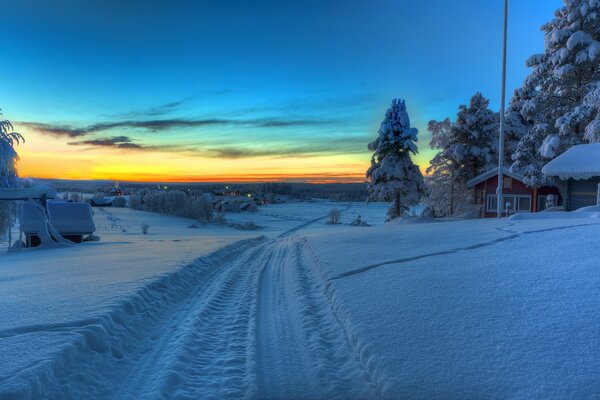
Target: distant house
{"x": 115, "y": 192}
{"x": 521, "y": 197}
{"x": 229, "y": 203}
{"x": 578, "y": 173}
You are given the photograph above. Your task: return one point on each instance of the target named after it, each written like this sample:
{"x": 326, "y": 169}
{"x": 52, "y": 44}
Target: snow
{"x": 579, "y": 162}
{"x": 302, "y": 309}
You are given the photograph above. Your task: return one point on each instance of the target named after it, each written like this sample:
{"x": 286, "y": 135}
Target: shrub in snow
{"x": 193, "y": 225}
{"x": 246, "y": 226}
{"x": 135, "y": 202}
{"x": 562, "y": 89}
{"x": 119, "y": 202}
{"x": 334, "y": 216}
{"x": 75, "y": 197}
{"x": 202, "y": 209}
{"x": 145, "y": 228}
{"x": 393, "y": 176}
{"x": 358, "y": 221}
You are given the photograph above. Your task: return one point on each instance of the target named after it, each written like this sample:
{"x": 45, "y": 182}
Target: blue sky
{"x": 278, "y": 83}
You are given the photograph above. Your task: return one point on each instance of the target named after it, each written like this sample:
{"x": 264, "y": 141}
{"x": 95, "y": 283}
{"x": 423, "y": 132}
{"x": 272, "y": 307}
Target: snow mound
{"x": 412, "y": 220}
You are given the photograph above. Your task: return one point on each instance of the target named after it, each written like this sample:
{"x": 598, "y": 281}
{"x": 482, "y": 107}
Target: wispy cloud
{"x": 155, "y": 125}
{"x": 121, "y": 142}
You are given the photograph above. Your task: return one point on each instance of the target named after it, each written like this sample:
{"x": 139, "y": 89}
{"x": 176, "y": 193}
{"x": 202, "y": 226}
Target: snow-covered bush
{"x": 393, "y": 176}
{"x": 145, "y": 228}
{"x": 334, "y": 216}
{"x": 75, "y": 197}
{"x": 358, "y": 221}
{"x": 119, "y": 202}
{"x": 201, "y": 209}
{"x": 135, "y": 202}
{"x": 176, "y": 202}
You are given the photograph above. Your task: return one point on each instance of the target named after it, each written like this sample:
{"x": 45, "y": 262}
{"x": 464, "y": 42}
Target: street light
{"x": 501, "y": 138}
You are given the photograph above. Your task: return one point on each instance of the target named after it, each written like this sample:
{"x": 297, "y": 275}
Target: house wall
{"x": 581, "y": 193}
{"x": 483, "y": 189}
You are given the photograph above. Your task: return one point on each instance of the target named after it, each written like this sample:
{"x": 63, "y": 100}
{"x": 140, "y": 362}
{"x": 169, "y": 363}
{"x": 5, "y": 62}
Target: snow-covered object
{"x": 579, "y": 162}
{"x": 564, "y": 84}
{"x": 393, "y": 176}
{"x": 36, "y": 192}
{"x": 468, "y": 146}
{"x": 549, "y": 147}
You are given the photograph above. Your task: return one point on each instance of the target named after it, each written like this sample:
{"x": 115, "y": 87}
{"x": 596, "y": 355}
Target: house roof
{"x": 490, "y": 174}
{"x": 579, "y": 162}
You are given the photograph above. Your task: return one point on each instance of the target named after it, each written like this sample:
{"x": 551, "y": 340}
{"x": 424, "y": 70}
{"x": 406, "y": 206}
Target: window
{"x": 518, "y": 203}
{"x": 507, "y": 182}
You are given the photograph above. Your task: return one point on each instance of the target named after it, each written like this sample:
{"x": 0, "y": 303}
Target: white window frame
{"x": 515, "y": 200}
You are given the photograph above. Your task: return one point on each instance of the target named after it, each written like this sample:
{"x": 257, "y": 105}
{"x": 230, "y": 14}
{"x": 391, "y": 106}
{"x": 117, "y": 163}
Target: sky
{"x": 239, "y": 91}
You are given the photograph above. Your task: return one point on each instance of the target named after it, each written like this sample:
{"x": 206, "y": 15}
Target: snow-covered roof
{"x": 491, "y": 173}
{"x": 67, "y": 218}
{"x": 579, "y": 162}
{"x": 27, "y": 193}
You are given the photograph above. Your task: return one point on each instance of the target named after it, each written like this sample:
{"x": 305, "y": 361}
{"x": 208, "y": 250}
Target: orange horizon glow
{"x": 45, "y": 157}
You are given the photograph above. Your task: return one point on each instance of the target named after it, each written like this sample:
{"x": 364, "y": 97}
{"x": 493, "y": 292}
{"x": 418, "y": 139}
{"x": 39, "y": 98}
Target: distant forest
{"x": 329, "y": 191}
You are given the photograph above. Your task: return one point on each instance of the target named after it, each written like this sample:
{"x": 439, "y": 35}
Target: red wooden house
{"x": 521, "y": 197}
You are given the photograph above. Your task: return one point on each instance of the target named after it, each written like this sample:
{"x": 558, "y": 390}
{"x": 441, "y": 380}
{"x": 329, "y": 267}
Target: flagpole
{"x": 501, "y": 138}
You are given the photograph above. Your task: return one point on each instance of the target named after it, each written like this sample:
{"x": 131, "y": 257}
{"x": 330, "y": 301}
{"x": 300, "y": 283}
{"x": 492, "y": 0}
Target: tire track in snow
{"x": 512, "y": 235}
{"x": 302, "y": 351}
{"x": 201, "y": 350}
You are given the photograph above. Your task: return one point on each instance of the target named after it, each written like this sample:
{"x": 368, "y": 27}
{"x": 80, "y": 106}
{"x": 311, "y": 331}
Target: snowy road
{"x": 253, "y": 326}
{"x": 251, "y": 320}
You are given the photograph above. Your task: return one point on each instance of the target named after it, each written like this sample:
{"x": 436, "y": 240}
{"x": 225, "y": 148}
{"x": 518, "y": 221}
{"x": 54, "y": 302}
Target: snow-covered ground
{"x": 302, "y": 309}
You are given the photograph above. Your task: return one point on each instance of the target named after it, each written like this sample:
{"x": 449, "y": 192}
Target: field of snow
{"x": 302, "y": 309}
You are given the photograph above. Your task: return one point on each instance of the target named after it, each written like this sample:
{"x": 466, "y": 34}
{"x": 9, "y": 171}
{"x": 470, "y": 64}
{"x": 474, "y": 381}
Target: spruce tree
{"x": 393, "y": 176}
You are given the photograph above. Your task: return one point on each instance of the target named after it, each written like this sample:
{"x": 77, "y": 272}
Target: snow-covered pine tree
{"x": 8, "y": 171}
{"x": 445, "y": 197}
{"x": 468, "y": 146}
{"x": 564, "y": 102}
{"x": 475, "y": 138}
{"x": 393, "y": 176}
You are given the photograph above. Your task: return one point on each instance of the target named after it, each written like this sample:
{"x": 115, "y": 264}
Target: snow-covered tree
{"x": 8, "y": 172}
{"x": 563, "y": 105}
{"x": 474, "y": 139}
{"x": 393, "y": 176}
{"x": 465, "y": 148}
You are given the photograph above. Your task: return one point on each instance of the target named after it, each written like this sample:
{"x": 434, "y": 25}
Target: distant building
{"x": 521, "y": 197}
{"x": 578, "y": 173}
